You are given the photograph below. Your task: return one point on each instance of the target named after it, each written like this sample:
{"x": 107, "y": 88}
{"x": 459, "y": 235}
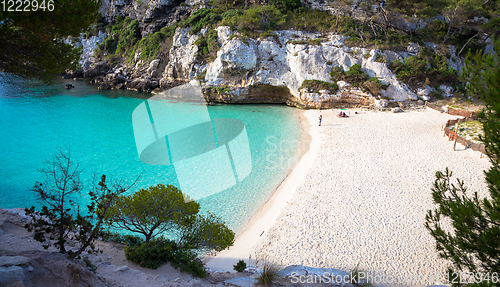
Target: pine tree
{"x": 473, "y": 244}
{"x": 31, "y": 41}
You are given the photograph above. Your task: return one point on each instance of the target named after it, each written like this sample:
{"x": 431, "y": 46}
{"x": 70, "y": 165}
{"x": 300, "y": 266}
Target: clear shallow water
{"x": 36, "y": 120}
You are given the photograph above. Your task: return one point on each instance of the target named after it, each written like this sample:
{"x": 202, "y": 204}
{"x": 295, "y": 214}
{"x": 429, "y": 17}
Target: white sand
{"x": 360, "y": 195}
{"x": 266, "y": 216}
{"x": 367, "y": 194}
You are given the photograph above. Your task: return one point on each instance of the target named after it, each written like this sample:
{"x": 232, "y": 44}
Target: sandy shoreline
{"x": 265, "y": 217}
{"x": 360, "y": 195}
{"x": 365, "y": 197}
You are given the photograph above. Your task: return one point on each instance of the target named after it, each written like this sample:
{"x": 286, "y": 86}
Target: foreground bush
{"x": 160, "y": 251}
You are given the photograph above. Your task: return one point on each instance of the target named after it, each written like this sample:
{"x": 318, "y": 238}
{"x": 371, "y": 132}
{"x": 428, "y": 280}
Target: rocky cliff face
{"x": 286, "y": 60}
{"x": 151, "y": 14}
{"x": 270, "y": 70}
{"x": 263, "y": 70}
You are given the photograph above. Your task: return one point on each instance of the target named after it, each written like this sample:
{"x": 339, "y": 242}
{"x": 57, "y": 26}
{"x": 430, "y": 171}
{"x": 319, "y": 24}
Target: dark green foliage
{"x": 124, "y": 34}
{"x": 422, "y": 68}
{"x": 200, "y": 19}
{"x": 231, "y": 13}
{"x": 355, "y": 76}
{"x": 160, "y": 251}
{"x": 412, "y": 67}
{"x": 208, "y": 45}
{"x": 160, "y": 209}
{"x": 316, "y": 85}
{"x": 416, "y": 7}
{"x": 472, "y": 244}
{"x": 437, "y": 31}
{"x": 256, "y": 18}
{"x": 287, "y": 5}
{"x": 151, "y": 45}
{"x": 206, "y": 233}
{"x": 315, "y": 42}
{"x": 460, "y": 25}
{"x": 151, "y": 211}
{"x": 129, "y": 240}
{"x": 240, "y": 266}
{"x": 337, "y": 74}
{"x": 60, "y": 219}
{"x": 31, "y": 42}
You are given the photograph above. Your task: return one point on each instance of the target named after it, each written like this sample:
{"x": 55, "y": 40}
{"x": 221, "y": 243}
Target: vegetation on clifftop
{"x": 466, "y": 24}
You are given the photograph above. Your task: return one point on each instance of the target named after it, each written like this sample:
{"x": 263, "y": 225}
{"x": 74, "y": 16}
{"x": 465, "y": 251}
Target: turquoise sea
{"x": 36, "y": 120}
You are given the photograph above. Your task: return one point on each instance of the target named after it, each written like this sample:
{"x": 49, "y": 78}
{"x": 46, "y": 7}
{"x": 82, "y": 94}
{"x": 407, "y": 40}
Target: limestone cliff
{"x": 268, "y": 69}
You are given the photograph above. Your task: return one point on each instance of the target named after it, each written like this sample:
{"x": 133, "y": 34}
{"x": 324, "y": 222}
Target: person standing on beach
{"x": 320, "y": 118}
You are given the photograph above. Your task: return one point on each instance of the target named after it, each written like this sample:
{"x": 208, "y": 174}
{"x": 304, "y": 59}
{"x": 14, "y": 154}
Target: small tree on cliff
{"x": 60, "y": 219}
{"x": 473, "y": 244}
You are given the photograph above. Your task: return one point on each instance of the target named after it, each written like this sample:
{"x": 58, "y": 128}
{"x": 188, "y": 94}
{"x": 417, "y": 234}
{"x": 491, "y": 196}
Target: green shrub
{"x": 316, "y": 85}
{"x": 287, "y": 5}
{"x": 412, "y": 67}
{"x": 240, "y": 266}
{"x": 256, "y": 18}
{"x": 373, "y": 85}
{"x": 160, "y": 251}
{"x": 208, "y": 45}
{"x": 129, "y": 240}
{"x": 123, "y": 35}
{"x": 337, "y": 74}
{"x": 231, "y": 13}
{"x": 380, "y": 58}
{"x": 355, "y": 76}
{"x": 200, "y": 19}
{"x": 422, "y": 68}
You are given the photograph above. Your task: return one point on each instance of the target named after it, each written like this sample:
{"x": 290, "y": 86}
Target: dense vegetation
{"x": 160, "y": 211}
{"x": 125, "y": 41}
{"x": 472, "y": 243}
{"x": 464, "y": 23}
{"x": 423, "y": 68}
{"x": 31, "y": 42}
{"x": 154, "y": 213}
{"x": 159, "y": 251}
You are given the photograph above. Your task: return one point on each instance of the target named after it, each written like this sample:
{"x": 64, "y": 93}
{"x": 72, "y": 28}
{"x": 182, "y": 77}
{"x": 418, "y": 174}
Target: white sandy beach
{"x": 360, "y": 195}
